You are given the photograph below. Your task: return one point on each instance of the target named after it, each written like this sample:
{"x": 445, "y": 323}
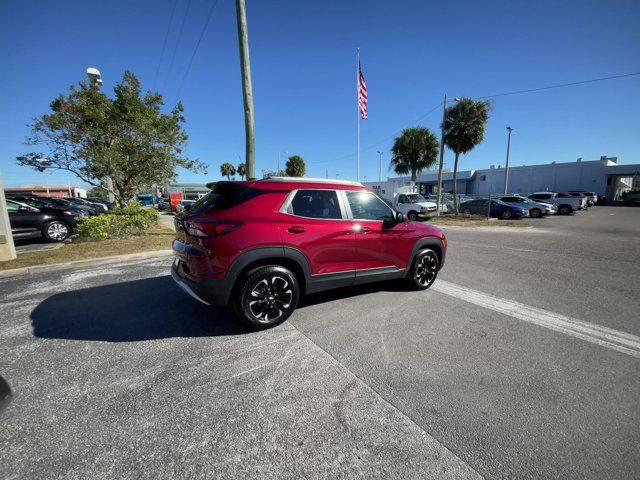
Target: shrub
{"x": 118, "y": 223}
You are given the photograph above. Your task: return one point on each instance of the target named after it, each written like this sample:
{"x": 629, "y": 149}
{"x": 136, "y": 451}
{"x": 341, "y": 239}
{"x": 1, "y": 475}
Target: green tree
{"x": 416, "y": 149}
{"x": 227, "y": 169}
{"x": 464, "y": 127}
{"x": 126, "y": 138}
{"x": 99, "y": 193}
{"x": 241, "y": 170}
{"x": 295, "y": 166}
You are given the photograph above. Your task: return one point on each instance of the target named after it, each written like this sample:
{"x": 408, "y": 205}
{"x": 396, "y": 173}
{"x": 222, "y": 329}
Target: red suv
{"x": 259, "y": 245}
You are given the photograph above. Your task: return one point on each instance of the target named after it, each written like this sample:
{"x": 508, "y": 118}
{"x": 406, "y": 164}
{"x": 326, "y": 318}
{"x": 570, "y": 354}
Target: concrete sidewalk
{"x": 166, "y": 219}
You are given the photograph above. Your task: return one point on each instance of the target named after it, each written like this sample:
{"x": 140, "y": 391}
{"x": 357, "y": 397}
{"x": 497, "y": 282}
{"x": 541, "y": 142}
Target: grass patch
{"x": 159, "y": 237}
{"x": 476, "y": 221}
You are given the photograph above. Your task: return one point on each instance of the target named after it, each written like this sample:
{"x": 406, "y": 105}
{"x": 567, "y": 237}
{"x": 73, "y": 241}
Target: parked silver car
{"x": 536, "y": 209}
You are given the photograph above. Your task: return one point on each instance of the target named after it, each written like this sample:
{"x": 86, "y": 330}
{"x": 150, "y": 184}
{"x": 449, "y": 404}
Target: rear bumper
{"x": 211, "y": 291}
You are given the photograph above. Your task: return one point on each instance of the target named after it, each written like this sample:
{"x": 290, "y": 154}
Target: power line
{"x": 516, "y": 92}
{"x": 195, "y": 50}
{"x": 175, "y": 49}
{"x": 164, "y": 44}
{"x": 560, "y": 85}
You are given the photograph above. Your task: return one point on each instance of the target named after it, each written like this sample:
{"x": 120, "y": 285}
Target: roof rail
{"x": 311, "y": 180}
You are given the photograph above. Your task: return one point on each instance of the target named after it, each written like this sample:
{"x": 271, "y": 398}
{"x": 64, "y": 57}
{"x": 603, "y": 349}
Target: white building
{"x": 604, "y": 176}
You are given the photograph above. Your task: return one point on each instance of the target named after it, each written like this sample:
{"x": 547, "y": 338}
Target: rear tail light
{"x": 213, "y": 228}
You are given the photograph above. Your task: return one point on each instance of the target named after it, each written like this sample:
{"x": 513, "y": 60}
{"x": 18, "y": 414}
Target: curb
{"x": 90, "y": 262}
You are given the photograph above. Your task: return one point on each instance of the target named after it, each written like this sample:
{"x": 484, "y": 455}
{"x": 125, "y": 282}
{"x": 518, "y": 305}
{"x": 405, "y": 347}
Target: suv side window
{"x": 366, "y": 206}
{"x": 316, "y": 204}
{"x": 12, "y": 207}
{"x": 403, "y": 199}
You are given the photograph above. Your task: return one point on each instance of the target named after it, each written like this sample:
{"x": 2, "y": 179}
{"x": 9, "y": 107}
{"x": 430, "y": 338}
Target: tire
{"x": 56, "y": 231}
{"x": 535, "y": 213}
{"x": 424, "y": 270}
{"x": 506, "y": 215}
{"x": 266, "y": 297}
{"x": 467, "y": 212}
{"x": 412, "y": 216}
{"x": 564, "y": 209}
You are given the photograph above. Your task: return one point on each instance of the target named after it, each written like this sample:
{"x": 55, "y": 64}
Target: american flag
{"x": 362, "y": 93}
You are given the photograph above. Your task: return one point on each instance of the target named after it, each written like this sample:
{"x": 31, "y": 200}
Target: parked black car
{"x": 95, "y": 207}
{"x": 52, "y": 202}
{"x": 52, "y": 224}
{"x": 499, "y": 209}
{"x": 106, "y": 203}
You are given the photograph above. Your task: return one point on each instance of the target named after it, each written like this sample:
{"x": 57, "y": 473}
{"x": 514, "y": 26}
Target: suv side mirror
{"x": 22, "y": 209}
{"x": 399, "y": 217}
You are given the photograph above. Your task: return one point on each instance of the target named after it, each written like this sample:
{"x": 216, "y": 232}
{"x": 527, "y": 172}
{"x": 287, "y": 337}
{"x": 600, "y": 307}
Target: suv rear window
{"x": 222, "y": 195}
{"x": 316, "y": 204}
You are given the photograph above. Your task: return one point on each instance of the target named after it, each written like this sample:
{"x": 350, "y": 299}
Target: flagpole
{"x": 358, "y": 114}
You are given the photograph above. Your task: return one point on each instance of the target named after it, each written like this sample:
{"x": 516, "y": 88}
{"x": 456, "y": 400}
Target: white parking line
{"x": 607, "y": 337}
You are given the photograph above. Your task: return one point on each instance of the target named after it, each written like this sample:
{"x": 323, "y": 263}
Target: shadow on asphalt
{"x": 146, "y": 309}
{"x": 347, "y": 292}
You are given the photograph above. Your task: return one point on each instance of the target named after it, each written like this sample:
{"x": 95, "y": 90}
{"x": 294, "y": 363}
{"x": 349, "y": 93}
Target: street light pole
{"x": 379, "y": 166}
{"x": 95, "y": 77}
{"x": 506, "y": 172}
{"x": 444, "y": 117}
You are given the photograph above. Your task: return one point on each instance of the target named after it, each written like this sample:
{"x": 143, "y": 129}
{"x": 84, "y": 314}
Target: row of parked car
{"x": 50, "y": 218}
{"x": 535, "y": 205}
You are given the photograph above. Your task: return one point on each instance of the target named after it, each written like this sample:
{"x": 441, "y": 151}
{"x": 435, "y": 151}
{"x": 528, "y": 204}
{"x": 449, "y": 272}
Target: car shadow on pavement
{"x": 147, "y": 309}
{"x": 353, "y": 291}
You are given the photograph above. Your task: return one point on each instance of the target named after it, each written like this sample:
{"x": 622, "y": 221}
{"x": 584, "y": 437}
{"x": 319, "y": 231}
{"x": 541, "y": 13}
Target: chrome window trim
{"x": 284, "y": 209}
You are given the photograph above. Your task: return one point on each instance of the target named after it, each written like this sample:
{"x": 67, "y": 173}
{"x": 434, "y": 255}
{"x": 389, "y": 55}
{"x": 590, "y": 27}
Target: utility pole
{"x": 444, "y": 117}
{"x": 379, "y": 166}
{"x": 7, "y": 248}
{"x": 506, "y": 172}
{"x": 247, "y": 89}
{"x": 46, "y": 181}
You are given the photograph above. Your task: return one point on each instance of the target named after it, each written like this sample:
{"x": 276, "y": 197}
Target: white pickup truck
{"x": 566, "y": 203}
{"x": 413, "y": 205}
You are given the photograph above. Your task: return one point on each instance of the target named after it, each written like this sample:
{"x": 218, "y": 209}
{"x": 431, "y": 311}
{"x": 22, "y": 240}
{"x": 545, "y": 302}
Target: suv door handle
{"x": 296, "y": 229}
{"x": 365, "y": 229}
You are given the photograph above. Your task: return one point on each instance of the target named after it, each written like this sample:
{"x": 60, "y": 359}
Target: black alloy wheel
{"x": 424, "y": 269}
{"x": 267, "y": 297}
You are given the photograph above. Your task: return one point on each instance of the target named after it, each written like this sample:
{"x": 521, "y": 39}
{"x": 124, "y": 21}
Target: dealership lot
{"x": 523, "y": 361}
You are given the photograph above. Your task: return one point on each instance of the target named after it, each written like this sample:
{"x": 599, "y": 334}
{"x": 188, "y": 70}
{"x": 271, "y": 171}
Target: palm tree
{"x": 241, "y": 170}
{"x": 295, "y": 166}
{"x": 464, "y": 128}
{"x": 416, "y": 149}
{"x": 227, "y": 169}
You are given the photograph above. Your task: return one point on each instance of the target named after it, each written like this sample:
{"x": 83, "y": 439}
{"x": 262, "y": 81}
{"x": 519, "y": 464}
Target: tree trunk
{"x": 414, "y": 175}
{"x": 455, "y": 184}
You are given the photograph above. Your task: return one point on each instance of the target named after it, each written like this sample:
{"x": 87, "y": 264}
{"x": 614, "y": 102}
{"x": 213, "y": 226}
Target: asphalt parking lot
{"x": 522, "y": 361}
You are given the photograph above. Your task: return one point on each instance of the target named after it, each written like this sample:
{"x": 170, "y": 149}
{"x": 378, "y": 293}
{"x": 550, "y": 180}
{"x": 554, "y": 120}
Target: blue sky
{"x": 303, "y": 61}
